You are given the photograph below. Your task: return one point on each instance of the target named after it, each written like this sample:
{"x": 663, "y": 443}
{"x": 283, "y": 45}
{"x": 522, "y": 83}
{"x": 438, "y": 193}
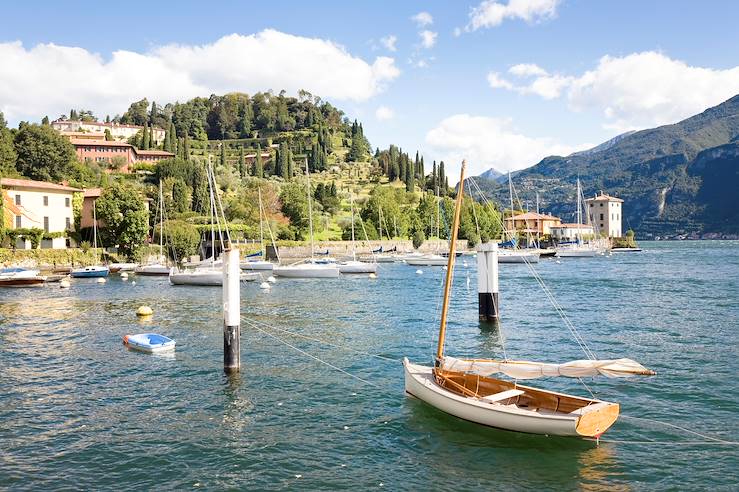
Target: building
{"x": 118, "y": 131}
{"x": 605, "y": 214}
{"x": 38, "y": 204}
{"x": 532, "y": 223}
{"x": 104, "y": 152}
{"x": 89, "y": 196}
{"x": 571, "y": 232}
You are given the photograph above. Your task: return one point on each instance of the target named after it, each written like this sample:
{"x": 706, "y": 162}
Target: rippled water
{"x": 78, "y": 410}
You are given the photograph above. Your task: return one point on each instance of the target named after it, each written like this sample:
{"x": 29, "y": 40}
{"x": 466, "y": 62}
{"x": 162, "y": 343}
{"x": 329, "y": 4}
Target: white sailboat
{"x": 429, "y": 259}
{"x": 579, "y": 248}
{"x": 466, "y": 389}
{"x": 92, "y": 271}
{"x": 515, "y": 255}
{"x": 156, "y": 266}
{"x": 309, "y": 268}
{"x": 259, "y": 264}
{"x": 354, "y": 266}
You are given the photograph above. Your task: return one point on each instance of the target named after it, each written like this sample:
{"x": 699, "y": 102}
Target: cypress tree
{"x": 290, "y": 165}
{"x": 242, "y": 164}
{"x": 45, "y": 121}
{"x": 258, "y": 165}
{"x": 410, "y": 182}
{"x": 186, "y": 148}
{"x": 433, "y": 179}
{"x": 152, "y": 142}
{"x": 145, "y": 138}
{"x": 223, "y": 154}
{"x": 441, "y": 179}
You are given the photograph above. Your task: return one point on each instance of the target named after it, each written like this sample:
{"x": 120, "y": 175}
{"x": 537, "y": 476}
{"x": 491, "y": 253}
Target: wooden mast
{"x": 450, "y": 265}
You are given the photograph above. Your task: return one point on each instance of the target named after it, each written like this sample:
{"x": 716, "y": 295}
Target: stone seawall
{"x": 338, "y": 249}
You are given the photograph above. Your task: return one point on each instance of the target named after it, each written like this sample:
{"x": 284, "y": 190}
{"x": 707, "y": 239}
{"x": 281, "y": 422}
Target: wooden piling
{"x": 231, "y": 312}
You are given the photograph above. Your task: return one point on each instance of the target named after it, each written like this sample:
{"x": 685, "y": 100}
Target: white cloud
{"x": 491, "y": 13}
{"x": 497, "y": 82}
{"x": 423, "y": 19}
{"x": 383, "y": 113}
{"x": 428, "y": 39}
{"x": 49, "y": 79}
{"x": 389, "y": 42}
{"x": 490, "y": 142}
{"x": 527, "y": 70}
{"x": 635, "y": 91}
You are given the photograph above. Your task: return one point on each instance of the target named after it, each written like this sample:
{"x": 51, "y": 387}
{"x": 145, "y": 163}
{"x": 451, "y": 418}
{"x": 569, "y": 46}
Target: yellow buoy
{"x": 144, "y": 311}
{"x": 372, "y": 275}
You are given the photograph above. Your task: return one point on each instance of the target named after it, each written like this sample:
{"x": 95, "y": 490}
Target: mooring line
{"x": 343, "y": 347}
{"x": 710, "y": 438}
{"x": 254, "y": 325}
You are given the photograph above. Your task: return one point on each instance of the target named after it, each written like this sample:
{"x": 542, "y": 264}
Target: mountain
{"x": 493, "y": 174}
{"x": 675, "y": 179}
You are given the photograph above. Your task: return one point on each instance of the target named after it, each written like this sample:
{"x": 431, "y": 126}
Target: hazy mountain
{"x": 675, "y": 179}
{"x": 493, "y": 174}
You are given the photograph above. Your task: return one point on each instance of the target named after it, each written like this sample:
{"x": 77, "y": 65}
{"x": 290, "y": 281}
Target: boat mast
{"x": 212, "y": 216}
{"x": 538, "y": 222}
{"x": 579, "y": 214}
{"x": 379, "y": 219}
{"x": 261, "y": 226}
{"x": 161, "y": 221}
{"x": 510, "y": 194}
{"x": 354, "y": 248}
{"x": 94, "y": 226}
{"x": 450, "y": 265}
{"x": 310, "y": 210}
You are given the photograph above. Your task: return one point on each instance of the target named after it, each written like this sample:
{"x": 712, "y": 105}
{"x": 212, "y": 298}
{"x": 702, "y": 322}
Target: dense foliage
{"x": 122, "y": 211}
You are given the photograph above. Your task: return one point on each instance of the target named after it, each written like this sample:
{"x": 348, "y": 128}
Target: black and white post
{"x": 487, "y": 282}
{"x": 231, "y": 311}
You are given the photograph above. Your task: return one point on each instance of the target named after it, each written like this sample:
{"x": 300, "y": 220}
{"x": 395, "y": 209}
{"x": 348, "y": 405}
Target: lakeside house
{"x": 570, "y": 232}
{"x": 38, "y": 204}
{"x": 605, "y": 213}
{"x": 119, "y": 131}
{"x": 532, "y": 223}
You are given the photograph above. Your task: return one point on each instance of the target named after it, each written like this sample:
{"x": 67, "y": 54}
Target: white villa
{"x": 571, "y": 232}
{"x": 38, "y": 204}
{"x": 119, "y": 131}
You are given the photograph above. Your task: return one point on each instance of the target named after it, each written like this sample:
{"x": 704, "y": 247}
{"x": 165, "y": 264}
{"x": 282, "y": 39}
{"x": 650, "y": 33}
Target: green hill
{"x": 675, "y": 179}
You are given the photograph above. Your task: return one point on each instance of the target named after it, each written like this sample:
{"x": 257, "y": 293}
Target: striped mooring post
{"x": 487, "y": 282}
{"x": 231, "y": 311}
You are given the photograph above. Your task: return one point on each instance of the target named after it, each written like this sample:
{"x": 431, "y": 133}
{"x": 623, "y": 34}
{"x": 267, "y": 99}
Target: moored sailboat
{"x": 92, "y": 271}
{"x": 354, "y": 266}
{"x": 157, "y": 266}
{"x": 466, "y": 389}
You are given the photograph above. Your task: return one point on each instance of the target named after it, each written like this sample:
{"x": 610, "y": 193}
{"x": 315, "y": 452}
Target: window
{"x": 601, "y": 204}
{"x": 17, "y": 199}
{"x": 66, "y": 202}
{"x": 46, "y": 224}
{"x": 601, "y": 216}
{"x": 18, "y": 222}
{"x": 591, "y": 205}
{"x": 601, "y": 226}
{"x": 67, "y": 223}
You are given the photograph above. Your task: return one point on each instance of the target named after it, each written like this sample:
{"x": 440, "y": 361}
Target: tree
{"x": 295, "y": 206}
{"x": 441, "y": 181}
{"x": 183, "y": 238}
{"x": 258, "y": 164}
{"x": 242, "y": 163}
{"x": 121, "y": 208}
{"x": 42, "y": 153}
{"x": 418, "y": 238}
{"x": 137, "y": 113}
{"x": 108, "y": 135}
{"x": 284, "y": 157}
{"x": 223, "y": 154}
{"x": 8, "y": 155}
{"x": 45, "y": 121}
{"x": 145, "y": 139}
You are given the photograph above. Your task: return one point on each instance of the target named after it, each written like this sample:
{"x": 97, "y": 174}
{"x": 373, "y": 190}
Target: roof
{"x": 572, "y": 226}
{"x": 102, "y": 123}
{"x": 82, "y": 142}
{"x": 604, "y": 196}
{"x": 533, "y": 216}
{"x": 39, "y": 185}
{"x": 153, "y": 152}
{"x": 88, "y": 135}
{"x": 92, "y": 192}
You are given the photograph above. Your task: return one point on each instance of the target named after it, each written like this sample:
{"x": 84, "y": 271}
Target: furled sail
{"x": 616, "y": 368}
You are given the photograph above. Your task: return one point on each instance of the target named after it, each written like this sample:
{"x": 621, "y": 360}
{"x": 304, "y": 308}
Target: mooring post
{"x": 231, "y": 311}
{"x": 487, "y": 281}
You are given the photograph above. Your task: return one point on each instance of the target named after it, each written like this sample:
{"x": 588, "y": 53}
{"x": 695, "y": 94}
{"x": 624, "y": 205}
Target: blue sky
{"x": 500, "y": 82}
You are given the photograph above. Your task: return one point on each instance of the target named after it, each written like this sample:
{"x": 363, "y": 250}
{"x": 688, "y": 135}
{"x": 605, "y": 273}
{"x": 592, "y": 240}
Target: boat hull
{"x": 420, "y": 383}
{"x": 518, "y": 257}
{"x": 307, "y": 271}
{"x": 153, "y": 270}
{"x": 357, "y": 267}
{"x": 427, "y": 261}
{"x": 149, "y": 343}
{"x": 257, "y": 266}
{"x": 37, "y": 281}
{"x": 90, "y": 272}
{"x": 211, "y": 278}
{"x": 577, "y": 253}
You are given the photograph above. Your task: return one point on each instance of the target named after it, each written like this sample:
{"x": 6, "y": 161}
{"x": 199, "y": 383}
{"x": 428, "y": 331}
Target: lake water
{"x": 80, "y": 411}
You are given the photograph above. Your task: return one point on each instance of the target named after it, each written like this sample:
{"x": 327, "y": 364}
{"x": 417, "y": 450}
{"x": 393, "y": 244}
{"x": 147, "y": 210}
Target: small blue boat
{"x": 90, "y": 272}
{"x": 149, "y": 342}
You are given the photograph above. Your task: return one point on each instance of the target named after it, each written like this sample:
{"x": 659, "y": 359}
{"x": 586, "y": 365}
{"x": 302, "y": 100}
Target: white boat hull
{"x": 419, "y": 382}
{"x": 517, "y": 257}
{"x": 427, "y": 261}
{"x": 257, "y": 265}
{"x": 357, "y": 267}
{"x": 203, "y": 277}
{"x": 577, "y": 253}
{"x": 152, "y": 270}
{"x": 307, "y": 270}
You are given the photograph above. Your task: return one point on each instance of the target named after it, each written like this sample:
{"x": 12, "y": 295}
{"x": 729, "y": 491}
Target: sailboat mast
{"x": 379, "y": 219}
{"x": 161, "y": 220}
{"x": 579, "y": 212}
{"x": 510, "y": 194}
{"x": 354, "y": 249}
{"x": 261, "y": 225}
{"x": 310, "y": 210}
{"x": 94, "y": 226}
{"x": 212, "y": 215}
{"x": 450, "y": 265}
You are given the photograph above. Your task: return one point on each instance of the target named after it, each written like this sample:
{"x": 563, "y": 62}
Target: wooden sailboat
{"x": 466, "y": 389}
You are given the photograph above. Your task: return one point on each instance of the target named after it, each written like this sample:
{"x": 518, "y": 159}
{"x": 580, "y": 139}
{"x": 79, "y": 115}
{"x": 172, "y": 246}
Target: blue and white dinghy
{"x": 151, "y": 343}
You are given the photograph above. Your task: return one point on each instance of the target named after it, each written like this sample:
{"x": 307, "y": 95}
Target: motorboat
{"x": 153, "y": 269}
{"x": 518, "y": 256}
{"x": 121, "y": 267}
{"x": 206, "y": 277}
{"x": 92, "y": 271}
{"x": 151, "y": 343}
{"x": 426, "y": 260}
{"x": 307, "y": 270}
{"x": 353, "y": 266}
{"x": 260, "y": 265}
{"x": 21, "y": 277}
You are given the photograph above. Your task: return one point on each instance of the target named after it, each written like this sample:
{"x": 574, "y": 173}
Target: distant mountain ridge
{"x": 671, "y": 177}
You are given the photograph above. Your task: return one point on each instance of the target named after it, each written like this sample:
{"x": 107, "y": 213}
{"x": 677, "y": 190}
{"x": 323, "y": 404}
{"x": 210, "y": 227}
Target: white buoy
{"x": 464, "y": 263}
{"x": 265, "y": 286}
{"x": 133, "y": 282}
{"x": 100, "y": 280}
{"x": 124, "y": 275}
{"x": 557, "y": 262}
{"x": 271, "y": 279}
{"x": 372, "y": 275}
{"x": 444, "y": 267}
{"x": 419, "y": 272}
{"x": 64, "y": 284}
{"x": 144, "y": 311}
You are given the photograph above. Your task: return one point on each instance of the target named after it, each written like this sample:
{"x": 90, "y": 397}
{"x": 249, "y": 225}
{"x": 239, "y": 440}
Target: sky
{"x": 501, "y": 83}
